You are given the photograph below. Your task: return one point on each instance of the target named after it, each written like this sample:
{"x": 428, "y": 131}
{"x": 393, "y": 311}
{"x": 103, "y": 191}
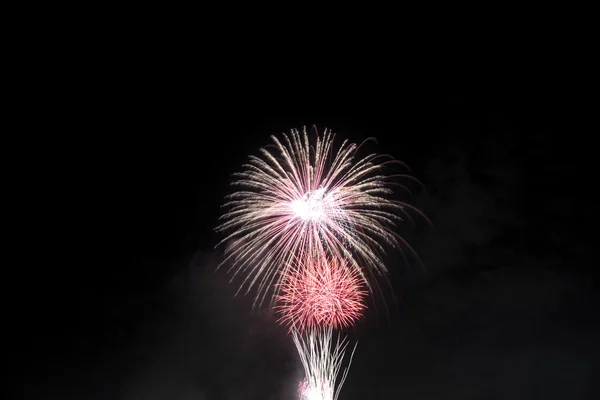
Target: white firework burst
{"x": 303, "y": 198}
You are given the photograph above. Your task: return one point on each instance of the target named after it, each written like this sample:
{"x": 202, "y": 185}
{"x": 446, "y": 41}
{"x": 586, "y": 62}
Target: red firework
{"x": 321, "y": 293}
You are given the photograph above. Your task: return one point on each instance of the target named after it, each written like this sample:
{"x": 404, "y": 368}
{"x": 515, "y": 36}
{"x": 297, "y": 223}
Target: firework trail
{"x": 322, "y": 359}
{"x": 318, "y": 293}
{"x": 305, "y": 199}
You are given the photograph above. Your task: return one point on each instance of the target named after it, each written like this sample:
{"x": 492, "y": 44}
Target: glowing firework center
{"x": 310, "y": 206}
{"x": 308, "y": 392}
{"x": 312, "y": 394}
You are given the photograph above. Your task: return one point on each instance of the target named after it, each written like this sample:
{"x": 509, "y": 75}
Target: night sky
{"x": 122, "y": 300}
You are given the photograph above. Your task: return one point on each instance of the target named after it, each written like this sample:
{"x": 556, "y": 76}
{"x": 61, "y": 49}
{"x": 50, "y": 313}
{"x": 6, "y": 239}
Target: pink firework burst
{"x": 305, "y": 198}
{"x": 320, "y": 293}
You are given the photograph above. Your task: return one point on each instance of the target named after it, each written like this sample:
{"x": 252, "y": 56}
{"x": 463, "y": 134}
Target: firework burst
{"x": 320, "y": 293}
{"x": 304, "y": 199}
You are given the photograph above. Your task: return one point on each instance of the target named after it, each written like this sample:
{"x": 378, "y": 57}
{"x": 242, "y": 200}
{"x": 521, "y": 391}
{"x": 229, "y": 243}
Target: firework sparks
{"x": 320, "y": 293}
{"x": 305, "y": 199}
{"x": 322, "y": 359}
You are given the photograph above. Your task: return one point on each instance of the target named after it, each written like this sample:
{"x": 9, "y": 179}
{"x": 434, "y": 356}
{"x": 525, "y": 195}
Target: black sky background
{"x": 121, "y": 299}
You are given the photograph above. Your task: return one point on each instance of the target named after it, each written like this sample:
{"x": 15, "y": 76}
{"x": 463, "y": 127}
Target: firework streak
{"x": 322, "y": 358}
